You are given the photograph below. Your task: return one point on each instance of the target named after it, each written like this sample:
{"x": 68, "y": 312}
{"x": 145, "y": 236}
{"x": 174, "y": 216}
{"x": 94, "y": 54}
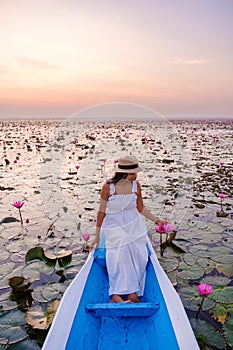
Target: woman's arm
{"x": 143, "y": 210}
{"x": 104, "y": 194}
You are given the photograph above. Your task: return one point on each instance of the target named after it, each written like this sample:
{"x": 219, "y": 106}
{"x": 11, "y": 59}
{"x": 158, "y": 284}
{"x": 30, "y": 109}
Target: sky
{"x": 60, "y": 56}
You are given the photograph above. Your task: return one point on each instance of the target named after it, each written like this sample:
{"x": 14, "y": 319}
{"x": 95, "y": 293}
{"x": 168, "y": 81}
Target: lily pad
{"x": 221, "y": 311}
{"x": 191, "y": 299}
{"x": 35, "y": 253}
{"x": 216, "y": 281}
{"x": 49, "y": 291}
{"x": 10, "y": 329}
{"x": 63, "y": 256}
{"x": 25, "y": 344}
{"x": 34, "y": 268}
{"x": 4, "y": 254}
{"x": 221, "y": 254}
{"x": 73, "y": 270}
{"x": 169, "y": 264}
{"x": 214, "y": 228}
{"x": 189, "y": 259}
{"x": 223, "y": 221}
{"x": 54, "y": 291}
{"x": 207, "y": 335}
{"x": 6, "y": 269}
{"x": 227, "y": 269}
{"x": 6, "y": 303}
{"x": 177, "y": 248}
{"x": 40, "y": 318}
{"x": 190, "y": 272}
{"x": 223, "y": 294}
{"x": 228, "y": 331}
{"x": 199, "y": 250}
{"x": 172, "y": 277}
{"x": 19, "y": 283}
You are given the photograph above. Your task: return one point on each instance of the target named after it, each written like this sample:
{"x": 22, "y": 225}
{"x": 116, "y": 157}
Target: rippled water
{"x": 186, "y": 164}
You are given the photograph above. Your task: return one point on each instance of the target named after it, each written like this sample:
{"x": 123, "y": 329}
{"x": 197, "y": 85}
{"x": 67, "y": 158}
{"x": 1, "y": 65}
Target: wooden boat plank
{"x": 122, "y": 309}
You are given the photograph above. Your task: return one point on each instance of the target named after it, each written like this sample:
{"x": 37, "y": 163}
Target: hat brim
{"x": 128, "y": 171}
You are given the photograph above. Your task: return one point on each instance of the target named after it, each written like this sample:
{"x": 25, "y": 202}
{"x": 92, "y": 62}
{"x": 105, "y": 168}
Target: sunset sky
{"x": 59, "y": 56}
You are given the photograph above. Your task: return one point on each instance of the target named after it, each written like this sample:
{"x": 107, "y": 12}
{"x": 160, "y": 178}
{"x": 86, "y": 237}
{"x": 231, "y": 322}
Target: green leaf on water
{"x": 12, "y": 318}
{"x": 169, "y": 264}
{"x": 226, "y": 269}
{"x": 41, "y": 318}
{"x": 220, "y": 312}
{"x": 48, "y": 292}
{"x": 35, "y": 253}
{"x": 190, "y": 272}
{"x": 191, "y": 299}
{"x": 4, "y": 255}
{"x": 19, "y": 283}
{"x": 6, "y": 269}
{"x": 216, "y": 281}
{"x": 221, "y": 254}
{"x": 63, "y": 257}
{"x": 228, "y": 330}
{"x": 26, "y": 344}
{"x": 206, "y": 334}
{"x": 73, "y": 270}
{"x": 10, "y": 330}
{"x": 34, "y": 268}
{"x": 172, "y": 277}
{"x": 6, "y": 303}
{"x": 189, "y": 259}
{"x": 223, "y": 294}
{"x": 52, "y": 255}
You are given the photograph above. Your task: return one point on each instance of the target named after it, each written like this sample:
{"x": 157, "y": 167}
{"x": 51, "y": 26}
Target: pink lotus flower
{"x": 222, "y": 195}
{"x": 18, "y": 204}
{"x": 164, "y": 228}
{"x": 204, "y": 289}
{"x": 77, "y": 166}
{"x": 86, "y": 236}
{"x": 221, "y": 163}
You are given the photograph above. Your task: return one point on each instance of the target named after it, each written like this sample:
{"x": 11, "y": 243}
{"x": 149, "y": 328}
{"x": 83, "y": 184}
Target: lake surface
{"x": 57, "y": 169}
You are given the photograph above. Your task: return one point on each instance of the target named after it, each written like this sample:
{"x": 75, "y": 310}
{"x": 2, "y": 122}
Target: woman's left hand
{"x": 161, "y": 222}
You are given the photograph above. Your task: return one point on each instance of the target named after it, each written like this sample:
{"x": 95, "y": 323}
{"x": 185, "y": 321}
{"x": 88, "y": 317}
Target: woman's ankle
{"x": 133, "y": 297}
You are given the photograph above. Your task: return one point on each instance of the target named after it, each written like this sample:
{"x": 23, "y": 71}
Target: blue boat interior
{"x": 100, "y": 325}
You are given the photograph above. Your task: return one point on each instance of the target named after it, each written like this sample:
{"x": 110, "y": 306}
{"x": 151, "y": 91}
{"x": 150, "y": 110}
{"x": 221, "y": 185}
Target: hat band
{"x": 127, "y": 167}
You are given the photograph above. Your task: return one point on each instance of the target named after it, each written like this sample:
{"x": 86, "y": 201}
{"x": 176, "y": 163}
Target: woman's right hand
{"x": 94, "y": 244}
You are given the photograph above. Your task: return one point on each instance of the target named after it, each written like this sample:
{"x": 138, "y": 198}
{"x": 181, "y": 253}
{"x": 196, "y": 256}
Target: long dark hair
{"x": 117, "y": 177}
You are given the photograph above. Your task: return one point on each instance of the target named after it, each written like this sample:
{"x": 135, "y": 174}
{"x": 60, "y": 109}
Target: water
{"x": 186, "y": 164}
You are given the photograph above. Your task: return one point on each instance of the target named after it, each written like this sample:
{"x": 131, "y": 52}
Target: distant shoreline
{"x": 170, "y": 119}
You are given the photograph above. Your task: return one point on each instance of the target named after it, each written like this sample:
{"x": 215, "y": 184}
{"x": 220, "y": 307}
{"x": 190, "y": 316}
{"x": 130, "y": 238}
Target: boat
{"x": 86, "y": 320}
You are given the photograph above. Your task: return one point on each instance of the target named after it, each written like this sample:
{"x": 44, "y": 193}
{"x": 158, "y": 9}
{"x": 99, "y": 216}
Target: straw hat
{"x": 128, "y": 165}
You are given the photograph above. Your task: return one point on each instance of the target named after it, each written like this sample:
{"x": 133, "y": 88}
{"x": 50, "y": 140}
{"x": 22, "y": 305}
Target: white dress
{"x": 125, "y": 236}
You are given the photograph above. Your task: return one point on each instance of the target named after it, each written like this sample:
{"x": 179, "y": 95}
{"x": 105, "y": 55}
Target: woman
{"x": 119, "y": 220}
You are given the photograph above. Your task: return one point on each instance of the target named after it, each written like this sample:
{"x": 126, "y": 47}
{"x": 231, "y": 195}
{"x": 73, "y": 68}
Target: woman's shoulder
{"x": 105, "y": 191}
{"x": 106, "y": 186}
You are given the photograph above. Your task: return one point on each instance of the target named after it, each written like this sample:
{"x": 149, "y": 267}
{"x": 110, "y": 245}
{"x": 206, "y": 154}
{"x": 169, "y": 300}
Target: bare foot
{"x": 117, "y": 299}
{"x": 133, "y": 298}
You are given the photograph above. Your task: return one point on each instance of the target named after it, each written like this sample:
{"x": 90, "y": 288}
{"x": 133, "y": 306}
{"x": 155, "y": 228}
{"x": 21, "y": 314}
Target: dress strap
{"x": 134, "y": 187}
{"x": 112, "y": 188}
